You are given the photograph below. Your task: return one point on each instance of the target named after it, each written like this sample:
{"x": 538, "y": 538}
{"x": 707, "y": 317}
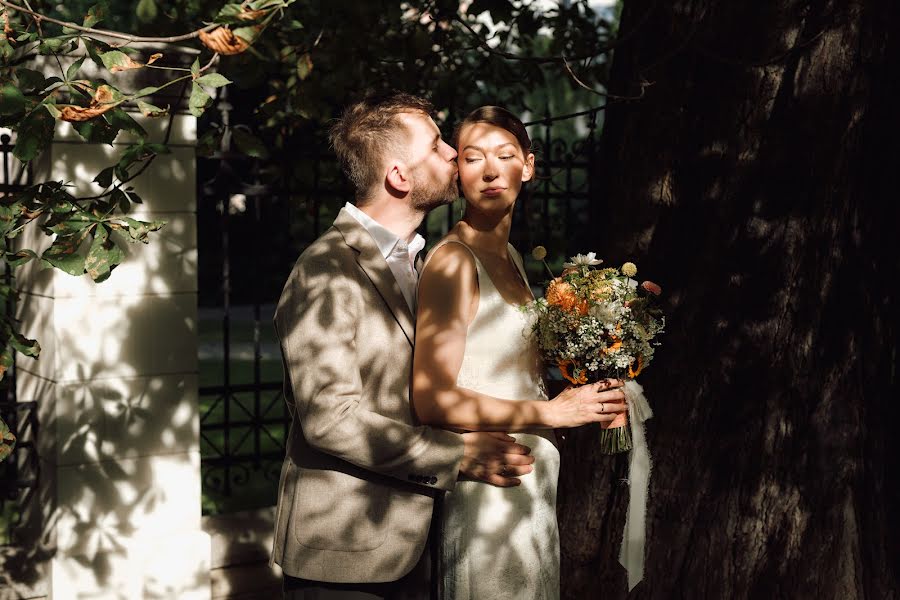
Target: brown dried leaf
{"x": 7, "y": 28}
{"x": 80, "y": 113}
{"x": 153, "y": 58}
{"x": 104, "y": 100}
{"x": 223, "y": 41}
{"x": 251, "y": 15}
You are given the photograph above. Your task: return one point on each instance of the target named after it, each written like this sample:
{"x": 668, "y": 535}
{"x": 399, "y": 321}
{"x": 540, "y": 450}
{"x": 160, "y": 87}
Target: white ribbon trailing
{"x": 631, "y": 555}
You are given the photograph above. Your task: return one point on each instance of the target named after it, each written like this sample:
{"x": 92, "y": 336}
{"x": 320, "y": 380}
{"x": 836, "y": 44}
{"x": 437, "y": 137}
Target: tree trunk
{"x": 754, "y": 181}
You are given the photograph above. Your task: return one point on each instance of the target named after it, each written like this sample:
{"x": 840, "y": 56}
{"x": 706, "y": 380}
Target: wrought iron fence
{"x": 252, "y": 227}
{"x": 19, "y": 472}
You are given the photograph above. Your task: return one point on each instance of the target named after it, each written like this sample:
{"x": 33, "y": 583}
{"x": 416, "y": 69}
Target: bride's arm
{"x": 448, "y": 296}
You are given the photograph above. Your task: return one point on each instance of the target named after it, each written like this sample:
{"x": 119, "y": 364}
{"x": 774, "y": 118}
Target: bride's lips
{"x": 493, "y": 191}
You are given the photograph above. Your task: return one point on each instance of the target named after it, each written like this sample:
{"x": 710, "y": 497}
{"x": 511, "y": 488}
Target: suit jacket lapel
{"x": 377, "y": 270}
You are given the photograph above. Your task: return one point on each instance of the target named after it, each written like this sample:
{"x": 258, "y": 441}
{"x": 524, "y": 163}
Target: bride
{"x": 477, "y": 368}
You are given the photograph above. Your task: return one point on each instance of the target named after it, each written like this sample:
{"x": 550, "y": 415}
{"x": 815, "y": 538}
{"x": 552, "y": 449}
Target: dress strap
{"x": 443, "y": 243}
{"x": 517, "y": 260}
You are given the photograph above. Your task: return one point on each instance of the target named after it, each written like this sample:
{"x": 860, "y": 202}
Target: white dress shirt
{"x": 399, "y": 255}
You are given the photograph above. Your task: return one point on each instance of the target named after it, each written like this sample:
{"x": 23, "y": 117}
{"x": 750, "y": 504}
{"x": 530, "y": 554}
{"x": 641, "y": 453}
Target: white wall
{"x": 116, "y": 385}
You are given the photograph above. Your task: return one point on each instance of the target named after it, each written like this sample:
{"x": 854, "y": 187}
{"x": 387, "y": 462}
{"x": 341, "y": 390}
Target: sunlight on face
{"x": 492, "y": 165}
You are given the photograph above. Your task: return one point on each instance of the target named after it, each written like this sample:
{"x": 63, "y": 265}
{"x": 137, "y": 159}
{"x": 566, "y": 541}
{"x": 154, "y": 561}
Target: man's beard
{"x": 427, "y": 195}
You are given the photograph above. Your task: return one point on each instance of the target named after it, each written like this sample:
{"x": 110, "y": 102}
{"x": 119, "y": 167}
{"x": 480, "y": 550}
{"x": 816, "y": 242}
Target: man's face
{"x": 431, "y": 161}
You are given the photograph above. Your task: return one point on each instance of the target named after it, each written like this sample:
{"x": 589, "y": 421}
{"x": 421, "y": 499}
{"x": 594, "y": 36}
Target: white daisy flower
{"x": 583, "y": 260}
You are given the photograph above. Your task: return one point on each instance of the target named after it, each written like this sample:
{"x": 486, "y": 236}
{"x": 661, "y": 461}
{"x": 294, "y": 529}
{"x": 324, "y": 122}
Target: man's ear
{"x": 397, "y": 178}
{"x": 528, "y": 171}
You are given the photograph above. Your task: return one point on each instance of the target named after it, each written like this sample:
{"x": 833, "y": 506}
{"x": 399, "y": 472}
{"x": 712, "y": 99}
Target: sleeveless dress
{"x": 503, "y": 543}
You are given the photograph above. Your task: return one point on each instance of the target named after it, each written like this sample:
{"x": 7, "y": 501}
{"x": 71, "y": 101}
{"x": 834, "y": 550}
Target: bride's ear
{"x": 396, "y": 178}
{"x": 528, "y": 170}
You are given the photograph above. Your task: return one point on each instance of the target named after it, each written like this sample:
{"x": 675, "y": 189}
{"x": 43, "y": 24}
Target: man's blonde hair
{"x": 367, "y": 132}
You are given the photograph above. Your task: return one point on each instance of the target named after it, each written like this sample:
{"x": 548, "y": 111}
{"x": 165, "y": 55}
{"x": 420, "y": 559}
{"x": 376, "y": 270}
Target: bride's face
{"x": 492, "y": 166}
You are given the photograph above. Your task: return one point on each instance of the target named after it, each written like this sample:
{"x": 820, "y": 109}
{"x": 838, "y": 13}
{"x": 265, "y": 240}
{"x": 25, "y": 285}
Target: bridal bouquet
{"x": 595, "y": 323}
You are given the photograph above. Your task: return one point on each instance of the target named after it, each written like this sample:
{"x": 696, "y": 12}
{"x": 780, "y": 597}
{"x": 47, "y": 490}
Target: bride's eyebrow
{"x": 480, "y": 149}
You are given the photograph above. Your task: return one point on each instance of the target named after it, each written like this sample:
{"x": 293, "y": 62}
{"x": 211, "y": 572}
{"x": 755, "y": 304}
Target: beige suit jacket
{"x": 358, "y": 483}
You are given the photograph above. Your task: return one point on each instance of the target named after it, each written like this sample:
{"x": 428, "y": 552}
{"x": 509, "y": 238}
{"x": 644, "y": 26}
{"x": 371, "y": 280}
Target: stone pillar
{"x": 118, "y": 508}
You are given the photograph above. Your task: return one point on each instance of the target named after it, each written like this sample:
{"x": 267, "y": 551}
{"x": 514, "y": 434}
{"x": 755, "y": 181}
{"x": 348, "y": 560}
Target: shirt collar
{"x": 384, "y": 238}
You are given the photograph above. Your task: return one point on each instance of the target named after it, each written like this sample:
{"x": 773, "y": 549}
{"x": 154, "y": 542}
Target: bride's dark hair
{"x": 498, "y": 117}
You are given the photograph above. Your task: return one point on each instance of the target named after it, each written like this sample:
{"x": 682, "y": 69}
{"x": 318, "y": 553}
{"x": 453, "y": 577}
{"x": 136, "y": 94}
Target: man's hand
{"x": 495, "y": 458}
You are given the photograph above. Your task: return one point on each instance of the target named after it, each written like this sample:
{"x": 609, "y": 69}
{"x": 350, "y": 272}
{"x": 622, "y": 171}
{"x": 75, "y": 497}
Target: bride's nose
{"x": 490, "y": 171}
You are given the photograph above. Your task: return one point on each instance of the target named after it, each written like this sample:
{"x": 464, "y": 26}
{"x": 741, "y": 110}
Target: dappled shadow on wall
{"x": 116, "y": 388}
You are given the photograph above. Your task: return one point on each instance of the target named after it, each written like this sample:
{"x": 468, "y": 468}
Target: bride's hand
{"x": 592, "y": 403}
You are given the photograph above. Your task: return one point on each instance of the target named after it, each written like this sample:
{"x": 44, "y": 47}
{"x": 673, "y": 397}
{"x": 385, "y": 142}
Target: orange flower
{"x": 634, "y": 372}
{"x": 652, "y": 288}
{"x": 561, "y": 294}
{"x": 615, "y": 345}
{"x": 564, "y": 369}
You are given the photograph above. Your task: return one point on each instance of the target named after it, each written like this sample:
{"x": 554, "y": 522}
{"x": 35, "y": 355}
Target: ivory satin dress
{"x": 503, "y": 543}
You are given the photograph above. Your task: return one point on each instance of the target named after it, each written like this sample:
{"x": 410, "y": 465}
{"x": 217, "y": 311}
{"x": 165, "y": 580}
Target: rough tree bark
{"x": 755, "y": 181}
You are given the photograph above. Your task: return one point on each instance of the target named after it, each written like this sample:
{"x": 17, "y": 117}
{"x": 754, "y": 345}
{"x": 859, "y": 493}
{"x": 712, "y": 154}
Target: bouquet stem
{"x": 615, "y": 440}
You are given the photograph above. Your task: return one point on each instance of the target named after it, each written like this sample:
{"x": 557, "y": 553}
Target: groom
{"x": 360, "y": 477}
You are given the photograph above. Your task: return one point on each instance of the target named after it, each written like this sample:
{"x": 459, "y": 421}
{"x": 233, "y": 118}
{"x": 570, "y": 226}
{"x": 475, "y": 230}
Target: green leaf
{"x": 20, "y": 258}
{"x": 63, "y": 254}
{"x": 71, "y": 224}
{"x": 104, "y": 177}
{"x": 34, "y": 135}
{"x": 213, "y": 80}
{"x": 199, "y": 100}
{"x": 195, "y": 67}
{"x": 121, "y": 199}
{"x": 95, "y": 14}
{"x": 150, "y": 110}
{"x": 132, "y": 154}
{"x": 249, "y": 144}
{"x": 248, "y": 34}
{"x": 103, "y": 256}
{"x": 12, "y": 101}
{"x": 28, "y": 36}
{"x": 229, "y": 15}
{"x": 140, "y": 230}
{"x": 157, "y": 148}
{"x": 95, "y": 49}
{"x": 7, "y": 439}
{"x": 304, "y": 66}
{"x": 73, "y": 69}
{"x": 6, "y": 50}
{"x": 145, "y": 92}
{"x": 116, "y": 60}
{"x": 51, "y": 108}
{"x": 147, "y": 10}
{"x": 209, "y": 142}
{"x": 30, "y": 80}
{"x": 97, "y": 131}
{"x": 120, "y": 119}
{"x": 52, "y": 45}
{"x": 26, "y": 346}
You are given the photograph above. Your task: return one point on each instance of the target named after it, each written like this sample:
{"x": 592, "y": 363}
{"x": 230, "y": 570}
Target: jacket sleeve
{"x": 316, "y": 322}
